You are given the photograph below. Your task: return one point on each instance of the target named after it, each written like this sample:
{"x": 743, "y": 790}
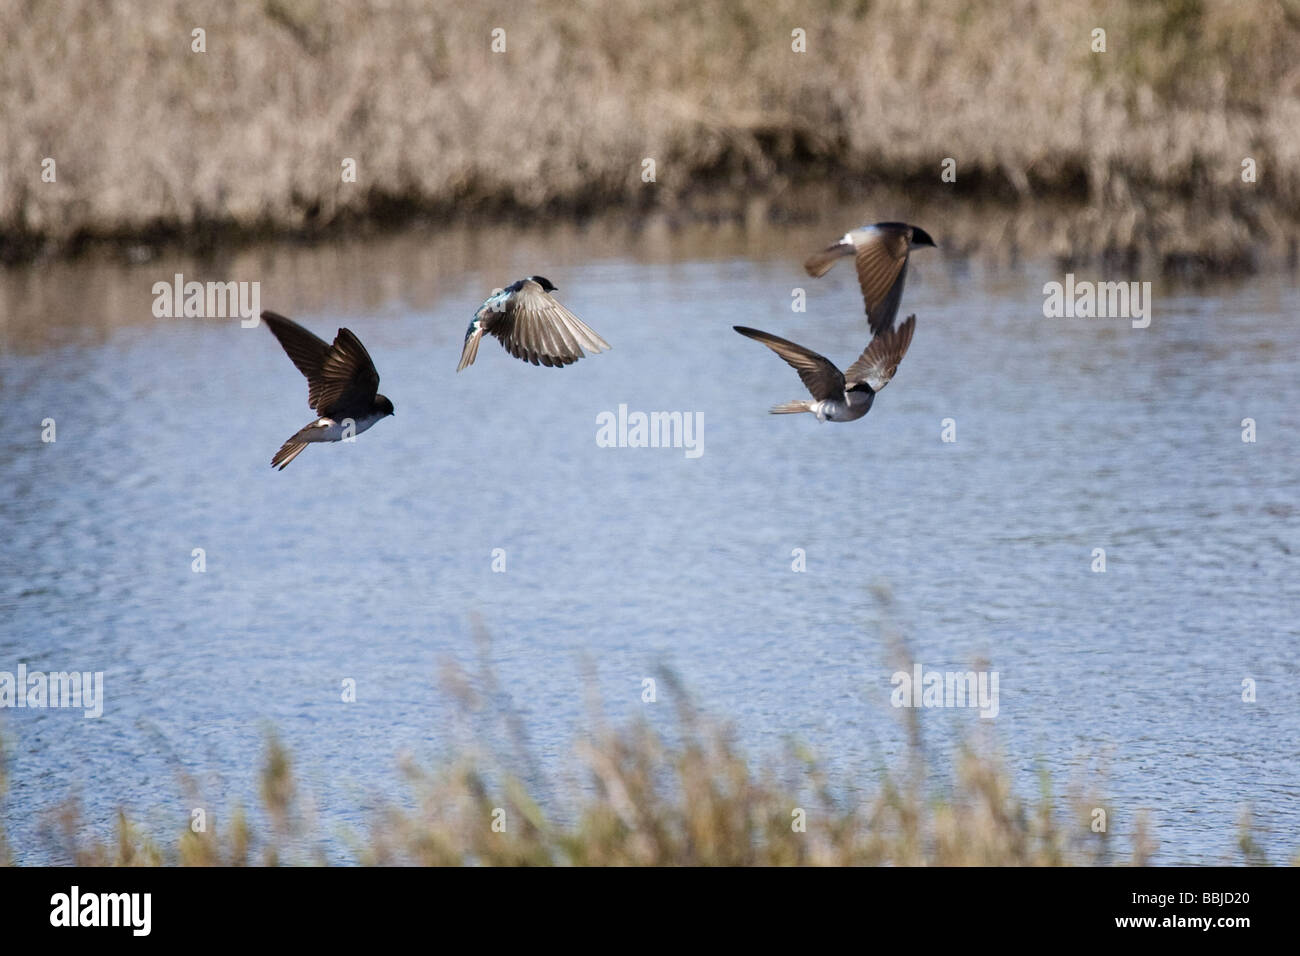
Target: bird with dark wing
{"x": 839, "y": 396}
{"x": 880, "y": 253}
{"x": 342, "y": 385}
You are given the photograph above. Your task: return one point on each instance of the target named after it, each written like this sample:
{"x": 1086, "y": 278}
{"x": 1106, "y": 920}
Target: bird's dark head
{"x": 382, "y": 404}
{"x": 544, "y": 282}
{"x": 920, "y": 237}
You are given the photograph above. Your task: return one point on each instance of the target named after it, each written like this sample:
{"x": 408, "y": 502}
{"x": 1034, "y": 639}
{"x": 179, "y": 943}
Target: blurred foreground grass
{"x": 695, "y": 802}
{"x": 1144, "y": 142}
{"x": 685, "y": 795}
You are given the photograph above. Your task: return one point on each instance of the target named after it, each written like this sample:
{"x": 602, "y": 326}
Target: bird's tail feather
{"x": 792, "y": 408}
{"x": 287, "y": 453}
{"x": 819, "y": 263}
{"x": 470, "y": 351}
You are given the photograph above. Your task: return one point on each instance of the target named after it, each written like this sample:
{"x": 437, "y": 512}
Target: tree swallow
{"x": 880, "y": 252}
{"x": 840, "y": 396}
{"x": 532, "y": 326}
{"x": 342, "y": 385}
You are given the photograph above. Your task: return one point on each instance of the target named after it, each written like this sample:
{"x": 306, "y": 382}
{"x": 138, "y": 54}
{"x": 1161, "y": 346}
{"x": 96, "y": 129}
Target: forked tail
{"x": 469, "y": 351}
{"x": 287, "y": 453}
{"x": 819, "y": 263}
{"x": 792, "y": 408}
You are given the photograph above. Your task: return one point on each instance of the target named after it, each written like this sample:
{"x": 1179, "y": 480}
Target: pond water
{"x": 373, "y": 560}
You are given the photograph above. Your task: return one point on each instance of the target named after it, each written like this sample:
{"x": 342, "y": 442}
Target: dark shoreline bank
{"x": 1180, "y": 240}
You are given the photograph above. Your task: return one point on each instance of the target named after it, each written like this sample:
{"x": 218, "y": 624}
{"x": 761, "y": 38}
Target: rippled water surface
{"x": 371, "y": 560}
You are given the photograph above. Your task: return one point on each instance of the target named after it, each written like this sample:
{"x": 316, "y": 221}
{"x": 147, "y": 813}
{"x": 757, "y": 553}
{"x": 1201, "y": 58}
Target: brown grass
{"x": 697, "y": 802}
{"x": 686, "y": 795}
{"x": 1145, "y": 141}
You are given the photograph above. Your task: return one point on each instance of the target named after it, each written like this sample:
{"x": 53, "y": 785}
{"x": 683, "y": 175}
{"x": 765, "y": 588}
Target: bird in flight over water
{"x": 532, "y": 326}
{"x": 342, "y": 385}
{"x": 880, "y": 254}
{"x": 840, "y": 396}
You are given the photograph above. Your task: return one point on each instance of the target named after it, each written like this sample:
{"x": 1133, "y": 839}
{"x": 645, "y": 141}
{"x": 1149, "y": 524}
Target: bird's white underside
{"x": 840, "y": 410}
{"x": 327, "y": 429}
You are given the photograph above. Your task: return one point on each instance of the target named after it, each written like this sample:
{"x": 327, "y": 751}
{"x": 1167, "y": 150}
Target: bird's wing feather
{"x": 881, "y": 260}
{"x": 818, "y": 374}
{"x": 305, "y": 349}
{"x": 347, "y": 377}
{"x": 342, "y": 372}
{"x": 536, "y": 328}
{"x": 879, "y": 362}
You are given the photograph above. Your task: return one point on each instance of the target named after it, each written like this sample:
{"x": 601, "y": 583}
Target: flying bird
{"x": 840, "y": 396}
{"x": 342, "y": 385}
{"x": 880, "y": 253}
{"x": 532, "y": 326}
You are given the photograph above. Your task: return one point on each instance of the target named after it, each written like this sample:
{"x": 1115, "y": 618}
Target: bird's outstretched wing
{"x": 534, "y": 327}
{"x": 818, "y": 374}
{"x": 881, "y": 260}
{"x": 348, "y": 378}
{"x": 306, "y": 349}
{"x": 879, "y": 362}
{"x": 338, "y": 374}
{"x": 880, "y": 255}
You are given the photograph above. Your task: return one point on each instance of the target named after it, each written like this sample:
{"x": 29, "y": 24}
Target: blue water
{"x": 372, "y": 560}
